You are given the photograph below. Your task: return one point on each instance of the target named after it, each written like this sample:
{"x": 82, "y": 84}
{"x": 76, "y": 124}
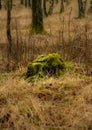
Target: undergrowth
{"x": 49, "y": 103}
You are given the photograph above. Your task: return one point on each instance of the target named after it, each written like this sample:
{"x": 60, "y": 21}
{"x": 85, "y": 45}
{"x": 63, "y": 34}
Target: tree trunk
{"x": 8, "y": 3}
{"x": 9, "y": 31}
{"x": 44, "y": 8}
{"x": 37, "y": 16}
{"x": 62, "y": 6}
{"x": 82, "y": 8}
{"x": 0, "y": 4}
{"x": 90, "y": 8}
{"x": 22, "y": 2}
{"x": 26, "y": 3}
{"x": 51, "y": 7}
{"x": 30, "y": 3}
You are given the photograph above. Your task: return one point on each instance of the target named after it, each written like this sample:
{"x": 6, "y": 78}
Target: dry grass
{"x": 49, "y": 104}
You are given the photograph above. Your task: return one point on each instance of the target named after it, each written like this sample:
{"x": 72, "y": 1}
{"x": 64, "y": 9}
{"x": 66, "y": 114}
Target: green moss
{"x": 37, "y": 30}
{"x": 70, "y": 68}
{"x": 50, "y": 65}
{"x": 3, "y": 76}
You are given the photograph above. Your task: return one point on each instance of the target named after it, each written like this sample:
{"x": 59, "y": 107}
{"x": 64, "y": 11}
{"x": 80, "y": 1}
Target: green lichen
{"x": 50, "y": 65}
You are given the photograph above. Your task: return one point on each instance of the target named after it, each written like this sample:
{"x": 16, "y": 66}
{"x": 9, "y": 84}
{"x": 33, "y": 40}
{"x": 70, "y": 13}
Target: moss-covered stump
{"x": 49, "y": 65}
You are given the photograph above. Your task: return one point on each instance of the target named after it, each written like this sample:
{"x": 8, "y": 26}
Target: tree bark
{"x": 30, "y": 3}
{"x": 51, "y": 7}
{"x": 90, "y": 8}
{"x": 8, "y": 4}
{"x": 37, "y": 16}
{"x": 8, "y": 31}
{"x": 44, "y": 8}
{"x": 22, "y": 2}
{"x": 26, "y": 3}
{"x": 0, "y": 4}
{"x": 62, "y": 6}
{"x": 82, "y": 8}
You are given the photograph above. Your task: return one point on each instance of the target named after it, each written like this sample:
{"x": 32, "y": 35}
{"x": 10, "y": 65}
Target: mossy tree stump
{"x": 50, "y": 65}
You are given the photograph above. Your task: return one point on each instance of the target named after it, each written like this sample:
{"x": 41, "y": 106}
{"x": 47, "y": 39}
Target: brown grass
{"x": 48, "y": 104}
{"x": 58, "y": 104}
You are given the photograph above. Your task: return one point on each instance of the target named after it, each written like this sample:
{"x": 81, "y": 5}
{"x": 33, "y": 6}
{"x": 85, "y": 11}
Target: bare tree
{"x": 21, "y": 1}
{"x": 62, "y": 6}
{"x": 44, "y": 8}
{"x": 8, "y": 31}
{"x": 90, "y": 8}
{"x": 0, "y": 4}
{"x": 51, "y": 7}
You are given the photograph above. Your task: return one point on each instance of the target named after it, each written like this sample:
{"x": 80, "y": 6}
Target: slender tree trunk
{"x": 0, "y": 4}
{"x": 22, "y": 2}
{"x": 9, "y": 38}
{"x": 90, "y": 8}
{"x": 5, "y": 4}
{"x": 44, "y": 8}
{"x": 8, "y": 3}
{"x": 37, "y": 16}
{"x": 62, "y": 6}
{"x": 11, "y": 3}
{"x": 51, "y": 7}
{"x": 26, "y": 3}
{"x": 82, "y": 8}
{"x": 30, "y": 3}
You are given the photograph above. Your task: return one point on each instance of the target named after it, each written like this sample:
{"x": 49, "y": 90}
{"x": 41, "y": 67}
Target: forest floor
{"x": 47, "y": 104}
{"x": 63, "y": 103}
